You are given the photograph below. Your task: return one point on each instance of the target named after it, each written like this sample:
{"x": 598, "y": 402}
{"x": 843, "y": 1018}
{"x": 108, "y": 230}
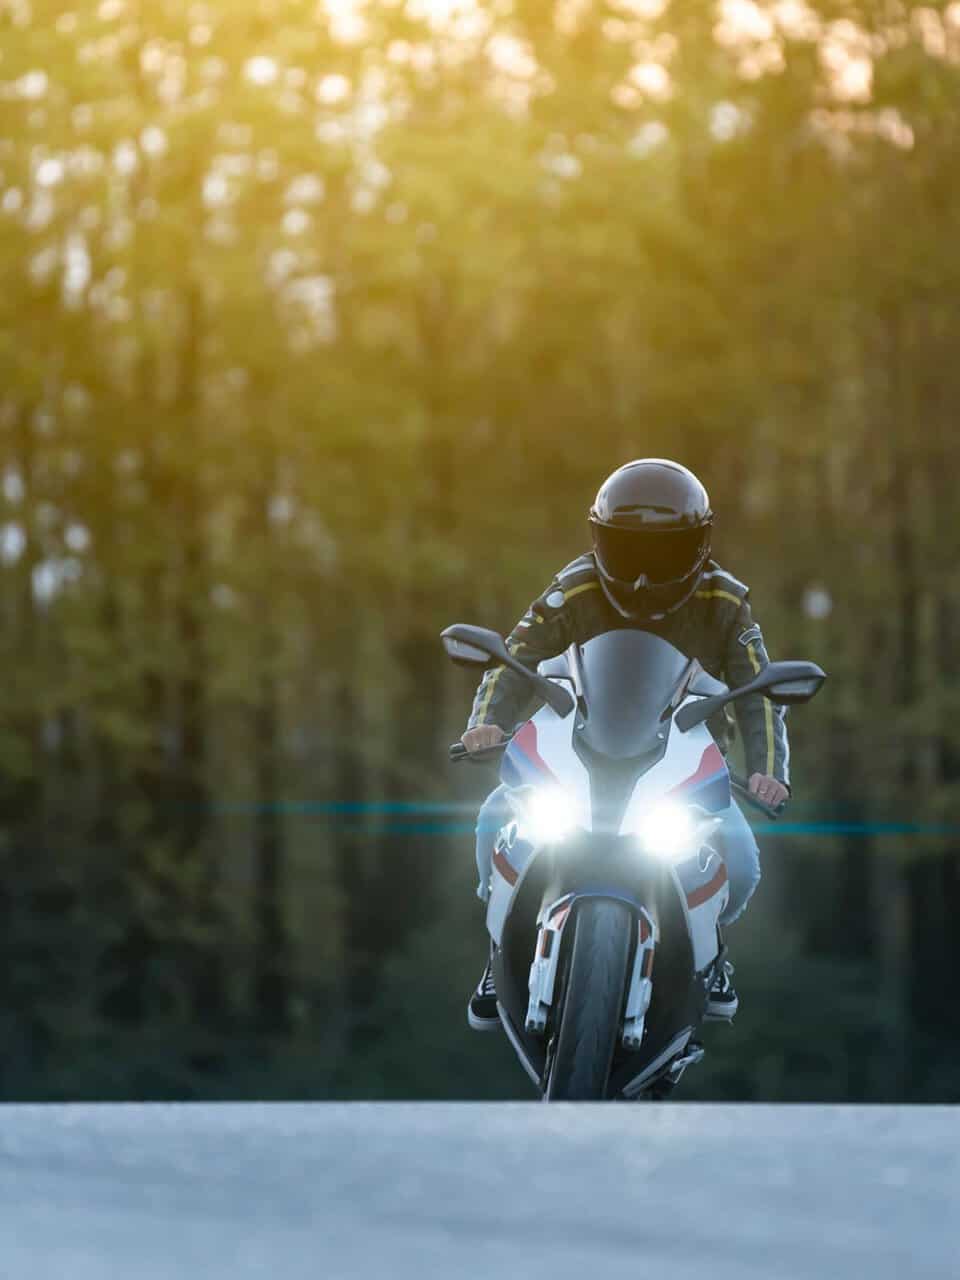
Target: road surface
{"x": 402, "y": 1192}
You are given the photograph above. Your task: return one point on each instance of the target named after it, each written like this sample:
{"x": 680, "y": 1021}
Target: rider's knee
{"x": 743, "y": 881}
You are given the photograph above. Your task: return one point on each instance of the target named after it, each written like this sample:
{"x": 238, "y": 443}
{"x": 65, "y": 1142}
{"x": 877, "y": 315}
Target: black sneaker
{"x": 482, "y": 1009}
{"x": 722, "y": 1002}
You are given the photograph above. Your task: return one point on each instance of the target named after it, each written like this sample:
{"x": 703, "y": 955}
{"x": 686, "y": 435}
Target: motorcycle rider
{"x": 650, "y": 568}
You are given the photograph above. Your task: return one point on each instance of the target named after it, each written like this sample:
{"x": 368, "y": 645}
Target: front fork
{"x": 546, "y": 961}
{"x": 640, "y": 988}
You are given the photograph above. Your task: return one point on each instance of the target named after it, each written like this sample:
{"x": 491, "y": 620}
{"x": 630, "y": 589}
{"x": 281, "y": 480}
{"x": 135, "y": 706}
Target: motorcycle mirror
{"x": 792, "y": 691}
{"x": 783, "y": 682}
{"x": 463, "y": 654}
{"x": 791, "y": 682}
{"x": 477, "y": 646}
{"x": 473, "y": 646}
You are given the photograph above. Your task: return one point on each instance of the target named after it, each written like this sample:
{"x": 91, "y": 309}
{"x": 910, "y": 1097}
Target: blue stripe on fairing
{"x": 517, "y": 769}
{"x": 509, "y": 773}
{"x": 713, "y": 794}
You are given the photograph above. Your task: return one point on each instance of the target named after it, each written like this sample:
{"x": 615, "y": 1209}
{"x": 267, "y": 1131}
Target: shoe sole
{"x": 716, "y": 1015}
{"x": 482, "y": 1024}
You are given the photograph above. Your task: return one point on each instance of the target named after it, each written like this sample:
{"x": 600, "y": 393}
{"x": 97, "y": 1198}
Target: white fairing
{"x": 680, "y": 761}
{"x": 542, "y": 755}
{"x": 508, "y": 858}
{"x": 555, "y": 746}
{"x": 705, "y": 894}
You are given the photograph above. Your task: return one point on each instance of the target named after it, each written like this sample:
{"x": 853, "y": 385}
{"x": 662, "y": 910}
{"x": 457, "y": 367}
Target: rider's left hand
{"x": 767, "y": 789}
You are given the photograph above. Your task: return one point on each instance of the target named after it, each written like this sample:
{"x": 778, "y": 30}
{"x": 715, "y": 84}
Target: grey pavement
{"x": 404, "y": 1191}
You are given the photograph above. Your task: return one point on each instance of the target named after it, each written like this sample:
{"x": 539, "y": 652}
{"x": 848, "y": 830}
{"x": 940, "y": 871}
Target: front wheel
{"x": 591, "y": 1001}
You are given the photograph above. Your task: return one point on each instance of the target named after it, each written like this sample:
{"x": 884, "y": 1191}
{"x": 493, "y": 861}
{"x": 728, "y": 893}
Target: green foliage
{"x": 320, "y": 325}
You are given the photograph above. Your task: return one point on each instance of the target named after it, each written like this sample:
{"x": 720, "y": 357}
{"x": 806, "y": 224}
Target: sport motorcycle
{"x": 607, "y": 884}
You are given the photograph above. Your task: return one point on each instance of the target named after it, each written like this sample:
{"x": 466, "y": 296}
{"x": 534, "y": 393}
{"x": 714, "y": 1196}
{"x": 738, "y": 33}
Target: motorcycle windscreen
{"x": 628, "y": 680}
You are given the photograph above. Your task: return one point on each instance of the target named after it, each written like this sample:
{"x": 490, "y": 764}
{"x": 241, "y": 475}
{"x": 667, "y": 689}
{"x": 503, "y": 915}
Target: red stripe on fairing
{"x": 506, "y": 869}
{"x": 526, "y": 740}
{"x": 706, "y": 891}
{"x": 711, "y": 763}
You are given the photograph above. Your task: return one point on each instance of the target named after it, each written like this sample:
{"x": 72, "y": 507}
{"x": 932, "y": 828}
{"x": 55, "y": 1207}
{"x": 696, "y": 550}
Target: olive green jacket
{"x": 715, "y": 626}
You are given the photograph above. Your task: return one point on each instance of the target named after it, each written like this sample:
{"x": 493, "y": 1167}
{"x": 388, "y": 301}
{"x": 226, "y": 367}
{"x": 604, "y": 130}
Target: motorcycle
{"x": 605, "y": 889}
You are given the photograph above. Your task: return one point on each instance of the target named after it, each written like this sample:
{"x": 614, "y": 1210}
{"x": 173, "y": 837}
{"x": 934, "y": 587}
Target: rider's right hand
{"x": 482, "y": 735}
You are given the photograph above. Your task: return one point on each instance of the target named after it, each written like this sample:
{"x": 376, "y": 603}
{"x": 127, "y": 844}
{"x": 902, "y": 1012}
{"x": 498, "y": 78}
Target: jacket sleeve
{"x": 504, "y": 697}
{"x": 762, "y": 723}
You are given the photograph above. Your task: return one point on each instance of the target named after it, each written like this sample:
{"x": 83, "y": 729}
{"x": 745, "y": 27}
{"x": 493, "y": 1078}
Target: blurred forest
{"x": 320, "y": 325}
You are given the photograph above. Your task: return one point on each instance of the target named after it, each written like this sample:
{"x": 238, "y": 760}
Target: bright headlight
{"x": 547, "y": 815}
{"x": 668, "y": 830}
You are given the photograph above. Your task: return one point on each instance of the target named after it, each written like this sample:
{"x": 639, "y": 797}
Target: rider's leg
{"x": 482, "y": 1009}
{"x": 738, "y": 848}
{"x": 493, "y": 814}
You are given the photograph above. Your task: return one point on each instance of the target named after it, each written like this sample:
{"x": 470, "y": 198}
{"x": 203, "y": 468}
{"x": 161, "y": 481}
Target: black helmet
{"x": 651, "y": 536}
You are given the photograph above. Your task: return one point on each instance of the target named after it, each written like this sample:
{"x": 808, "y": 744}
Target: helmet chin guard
{"x": 641, "y": 603}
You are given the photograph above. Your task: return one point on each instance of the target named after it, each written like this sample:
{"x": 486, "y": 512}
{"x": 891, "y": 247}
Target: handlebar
{"x": 741, "y": 787}
{"x": 458, "y": 752}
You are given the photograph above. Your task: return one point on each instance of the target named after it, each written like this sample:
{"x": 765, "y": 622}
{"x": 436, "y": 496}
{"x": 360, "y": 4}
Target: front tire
{"x": 591, "y": 1001}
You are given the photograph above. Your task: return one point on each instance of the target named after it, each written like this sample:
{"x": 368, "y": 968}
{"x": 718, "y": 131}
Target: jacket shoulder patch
{"x": 578, "y": 570}
{"x": 747, "y": 637}
{"x": 722, "y": 578}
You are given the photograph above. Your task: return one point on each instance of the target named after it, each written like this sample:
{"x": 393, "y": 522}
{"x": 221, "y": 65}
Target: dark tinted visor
{"x": 662, "y": 556}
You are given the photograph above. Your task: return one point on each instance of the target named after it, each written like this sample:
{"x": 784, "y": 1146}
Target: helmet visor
{"x": 661, "y": 556}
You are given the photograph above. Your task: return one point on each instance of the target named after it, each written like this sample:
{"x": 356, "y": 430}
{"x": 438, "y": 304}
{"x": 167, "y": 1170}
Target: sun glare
{"x": 742, "y": 20}
{"x": 346, "y": 18}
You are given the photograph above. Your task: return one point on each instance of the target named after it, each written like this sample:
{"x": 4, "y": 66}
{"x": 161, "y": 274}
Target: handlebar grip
{"x": 741, "y": 786}
{"x": 458, "y": 752}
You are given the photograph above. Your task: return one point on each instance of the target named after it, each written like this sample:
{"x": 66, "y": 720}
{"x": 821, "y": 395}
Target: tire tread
{"x": 593, "y": 1003}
